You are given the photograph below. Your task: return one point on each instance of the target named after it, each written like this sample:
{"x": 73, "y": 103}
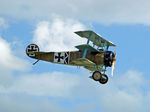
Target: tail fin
{"x": 31, "y": 49}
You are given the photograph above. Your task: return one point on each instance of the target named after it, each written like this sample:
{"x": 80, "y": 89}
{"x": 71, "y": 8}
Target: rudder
{"x": 31, "y": 49}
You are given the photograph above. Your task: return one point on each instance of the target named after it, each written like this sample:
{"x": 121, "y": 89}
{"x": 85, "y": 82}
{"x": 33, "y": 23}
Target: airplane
{"x": 95, "y": 57}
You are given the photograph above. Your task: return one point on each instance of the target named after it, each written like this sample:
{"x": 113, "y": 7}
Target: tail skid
{"x": 36, "y": 62}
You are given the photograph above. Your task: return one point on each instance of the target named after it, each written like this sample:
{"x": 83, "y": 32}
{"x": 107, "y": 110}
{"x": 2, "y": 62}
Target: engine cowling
{"x": 108, "y": 58}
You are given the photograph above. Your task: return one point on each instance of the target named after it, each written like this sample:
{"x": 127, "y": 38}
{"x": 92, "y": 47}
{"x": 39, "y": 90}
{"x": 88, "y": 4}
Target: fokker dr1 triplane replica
{"x": 95, "y": 58}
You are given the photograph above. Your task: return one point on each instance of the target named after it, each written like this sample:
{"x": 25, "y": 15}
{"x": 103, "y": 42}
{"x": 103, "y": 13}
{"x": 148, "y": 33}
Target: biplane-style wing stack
{"x": 97, "y": 40}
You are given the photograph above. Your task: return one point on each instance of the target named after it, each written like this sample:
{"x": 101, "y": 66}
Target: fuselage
{"x": 67, "y": 57}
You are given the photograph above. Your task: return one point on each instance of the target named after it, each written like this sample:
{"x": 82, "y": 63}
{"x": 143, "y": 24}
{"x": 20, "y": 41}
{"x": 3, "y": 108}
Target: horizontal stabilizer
{"x": 33, "y": 54}
{"x": 37, "y": 53}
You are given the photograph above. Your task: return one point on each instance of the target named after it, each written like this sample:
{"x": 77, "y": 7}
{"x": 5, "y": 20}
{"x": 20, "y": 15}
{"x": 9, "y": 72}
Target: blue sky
{"x": 48, "y": 87}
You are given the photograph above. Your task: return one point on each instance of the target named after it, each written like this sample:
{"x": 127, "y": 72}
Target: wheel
{"x": 96, "y": 75}
{"x": 104, "y": 79}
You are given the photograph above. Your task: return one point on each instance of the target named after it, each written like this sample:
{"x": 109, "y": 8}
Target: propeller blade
{"x": 113, "y": 67}
{"x": 113, "y": 64}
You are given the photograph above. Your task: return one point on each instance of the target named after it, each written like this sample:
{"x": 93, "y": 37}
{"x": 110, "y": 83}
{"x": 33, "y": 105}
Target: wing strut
{"x": 85, "y": 51}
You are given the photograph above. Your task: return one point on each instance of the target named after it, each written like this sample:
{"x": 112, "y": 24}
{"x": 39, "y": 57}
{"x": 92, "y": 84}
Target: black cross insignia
{"x": 59, "y": 57}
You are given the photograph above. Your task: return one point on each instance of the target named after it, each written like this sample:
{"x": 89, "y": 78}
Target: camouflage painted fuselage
{"x": 67, "y": 57}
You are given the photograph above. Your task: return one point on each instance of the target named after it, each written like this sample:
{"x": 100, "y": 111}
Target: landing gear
{"x": 102, "y": 78}
{"x": 97, "y": 76}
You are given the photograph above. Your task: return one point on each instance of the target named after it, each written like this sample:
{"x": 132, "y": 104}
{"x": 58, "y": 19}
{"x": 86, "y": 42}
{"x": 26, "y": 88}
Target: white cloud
{"x": 9, "y": 63}
{"x": 83, "y": 93}
{"x": 124, "y": 93}
{"x": 8, "y": 59}
{"x": 54, "y": 84}
{"x": 23, "y": 103}
{"x": 58, "y": 35}
{"x": 101, "y": 11}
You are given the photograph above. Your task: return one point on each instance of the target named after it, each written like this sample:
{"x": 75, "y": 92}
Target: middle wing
{"x": 84, "y": 46}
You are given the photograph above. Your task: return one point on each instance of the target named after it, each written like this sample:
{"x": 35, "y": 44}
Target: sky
{"x": 48, "y": 87}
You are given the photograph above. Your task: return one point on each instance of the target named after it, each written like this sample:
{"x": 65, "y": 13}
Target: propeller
{"x": 113, "y": 63}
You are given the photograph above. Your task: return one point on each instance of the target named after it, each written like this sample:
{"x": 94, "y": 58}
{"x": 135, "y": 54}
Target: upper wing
{"x": 95, "y": 38}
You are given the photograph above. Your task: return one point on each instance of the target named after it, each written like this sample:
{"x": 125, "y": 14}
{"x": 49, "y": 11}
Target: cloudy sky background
{"x": 48, "y": 87}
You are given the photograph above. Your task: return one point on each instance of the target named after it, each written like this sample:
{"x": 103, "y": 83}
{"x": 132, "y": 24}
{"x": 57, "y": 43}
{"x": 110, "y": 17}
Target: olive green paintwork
{"x": 96, "y": 58}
